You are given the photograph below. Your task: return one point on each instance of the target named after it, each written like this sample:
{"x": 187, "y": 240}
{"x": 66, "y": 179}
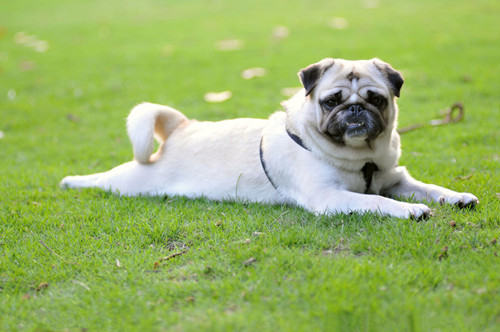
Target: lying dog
{"x": 334, "y": 150}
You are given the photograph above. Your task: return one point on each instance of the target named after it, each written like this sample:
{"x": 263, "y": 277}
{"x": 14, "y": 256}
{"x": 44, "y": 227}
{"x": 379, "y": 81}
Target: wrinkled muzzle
{"x": 354, "y": 121}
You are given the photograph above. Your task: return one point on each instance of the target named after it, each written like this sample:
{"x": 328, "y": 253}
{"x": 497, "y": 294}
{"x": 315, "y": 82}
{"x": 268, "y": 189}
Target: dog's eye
{"x": 333, "y": 101}
{"x": 376, "y": 99}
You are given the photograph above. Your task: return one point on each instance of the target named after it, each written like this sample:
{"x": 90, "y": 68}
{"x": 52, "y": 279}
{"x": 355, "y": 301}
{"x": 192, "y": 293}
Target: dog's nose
{"x": 355, "y": 109}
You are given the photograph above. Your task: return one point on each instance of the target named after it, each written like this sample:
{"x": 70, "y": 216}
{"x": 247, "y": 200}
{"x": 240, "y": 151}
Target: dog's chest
{"x": 364, "y": 180}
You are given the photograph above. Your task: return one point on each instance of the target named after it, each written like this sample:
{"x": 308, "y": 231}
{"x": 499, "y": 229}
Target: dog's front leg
{"x": 341, "y": 201}
{"x": 408, "y": 187}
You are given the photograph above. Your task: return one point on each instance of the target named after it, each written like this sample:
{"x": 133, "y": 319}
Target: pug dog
{"x": 334, "y": 149}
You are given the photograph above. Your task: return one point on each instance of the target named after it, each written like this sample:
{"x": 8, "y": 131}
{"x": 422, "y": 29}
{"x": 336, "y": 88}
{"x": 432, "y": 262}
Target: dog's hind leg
{"x": 145, "y": 122}
{"x": 129, "y": 179}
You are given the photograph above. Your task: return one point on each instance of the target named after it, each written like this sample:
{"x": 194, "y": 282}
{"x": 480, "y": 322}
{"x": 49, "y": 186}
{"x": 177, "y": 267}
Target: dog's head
{"x": 353, "y": 102}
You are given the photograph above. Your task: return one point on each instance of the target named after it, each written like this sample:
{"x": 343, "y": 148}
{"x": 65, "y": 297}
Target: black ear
{"x": 310, "y": 75}
{"x": 393, "y": 76}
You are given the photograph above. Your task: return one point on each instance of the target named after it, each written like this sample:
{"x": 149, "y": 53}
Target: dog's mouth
{"x": 354, "y": 123}
{"x": 356, "y": 129}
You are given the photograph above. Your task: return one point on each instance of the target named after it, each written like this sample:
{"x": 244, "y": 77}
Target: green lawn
{"x": 88, "y": 260}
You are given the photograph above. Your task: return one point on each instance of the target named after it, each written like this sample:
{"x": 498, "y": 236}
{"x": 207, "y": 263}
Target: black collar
{"x": 296, "y": 139}
{"x": 263, "y": 163}
{"x": 368, "y": 169}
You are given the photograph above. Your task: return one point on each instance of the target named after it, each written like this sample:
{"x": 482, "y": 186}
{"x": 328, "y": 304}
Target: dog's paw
{"x": 461, "y": 200}
{"x": 65, "y": 183}
{"x": 410, "y": 211}
{"x": 418, "y": 211}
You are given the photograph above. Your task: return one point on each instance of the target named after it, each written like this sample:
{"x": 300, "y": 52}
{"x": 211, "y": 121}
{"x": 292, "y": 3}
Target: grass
{"x": 88, "y": 260}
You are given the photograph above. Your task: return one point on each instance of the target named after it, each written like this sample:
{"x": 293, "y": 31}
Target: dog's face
{"x": 353, "y": 101}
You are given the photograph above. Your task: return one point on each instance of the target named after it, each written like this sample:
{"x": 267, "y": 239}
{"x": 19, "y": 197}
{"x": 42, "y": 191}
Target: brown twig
{"x": 53, "y": 252}
{"x": 175, "y": 254}
{"x": 449, "y": 117}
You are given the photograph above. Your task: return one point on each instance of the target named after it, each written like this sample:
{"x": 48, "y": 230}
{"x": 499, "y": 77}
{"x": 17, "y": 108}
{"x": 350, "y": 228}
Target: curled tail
{"x": 147, "y": 121}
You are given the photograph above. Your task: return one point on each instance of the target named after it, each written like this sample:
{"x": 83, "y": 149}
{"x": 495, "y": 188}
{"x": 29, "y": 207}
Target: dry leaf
{"x": 217, "y": 97}
{"x": 11, "y": 94}
{"x": 20, "y": 37}
{"x": 41, "y": 46}
{"x": 370, "y": 4}
{"x": 26, "y": 65}
{"x": 280, "y": 32}
{"x": 288, "y": 92}
{"x": 229, "y": 45}
{"x": 253, "y": 72}
{"x": 481, "y": 290}
{"x": 81, "y": 284}
{"x": 249, "y": 261}
{"x": 338, "y": 23}
{"x": 31, "y": 41}
{"x": 72, "y": 117}
{"x": 42, "y": 286}
{"x": 463, "y": 177}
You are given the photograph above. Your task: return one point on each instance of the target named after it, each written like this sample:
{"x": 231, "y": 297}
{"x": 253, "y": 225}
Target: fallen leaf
{"x": 20, "y": 37}
{"x": 217, "y": 97}
{"x": 481, "y": 290}
{"x": 72, "y": 117}
{"x": 453, "y": 223}
{"x": 280, "y": 32}
{"x": 466, "y": 78}
{"x": 26, "y": 65}
{"x": 444, "y": 253}
{"x": 41, "y": 46}
{"x": 338, "y": 23}
{"x": 42, "y": 286}
{"x": 249, "y": 261}
{"x": 370, "y": 4}
{"x": 229, "y": 45}
{"x": 79, "y": 283}
{"x": 463, "y": 177}
{"x": 31, "y": 41}
{"x": 288, "y": 92}
{"x": 11, "y": 94}
{"x": 250, "y": 73}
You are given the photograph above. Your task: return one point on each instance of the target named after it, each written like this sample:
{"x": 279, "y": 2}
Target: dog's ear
{"x": 393, "y": 76}
{"x": 310, "y": 75}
